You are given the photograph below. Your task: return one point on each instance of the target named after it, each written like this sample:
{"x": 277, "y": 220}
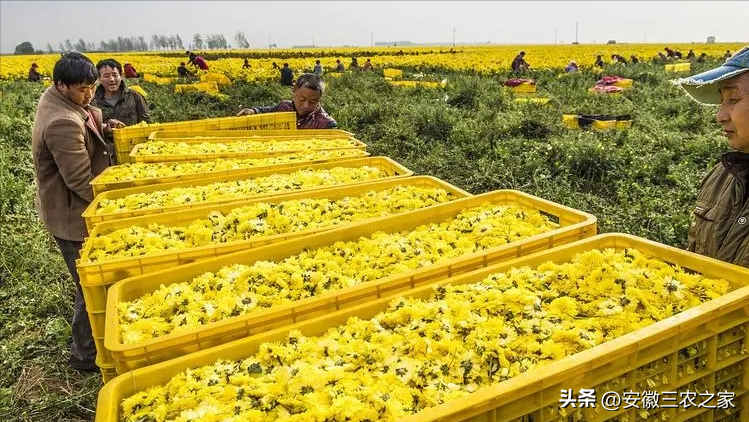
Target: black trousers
{"x": 82, "y": 349}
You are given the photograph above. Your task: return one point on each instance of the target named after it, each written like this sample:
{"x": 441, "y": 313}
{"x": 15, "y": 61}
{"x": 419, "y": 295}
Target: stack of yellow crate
{"x": 125, "y": 139}
{"x": 701, "y": 347}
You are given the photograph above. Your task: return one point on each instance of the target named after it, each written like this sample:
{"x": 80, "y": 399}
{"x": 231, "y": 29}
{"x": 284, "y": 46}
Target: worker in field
{"x": 618, "y": 59}
{"x": 34, "y": 75}
{"x": 115, "y": 99}
{"x": 339, "y": 67}
{"x": 368, "y": 65}
{"x": 720, "y": 224}
{"x": 183, "y": 71}
{"x": 246, "y": 64}
{"x": 130, "y": 71}
{"x": 572, "y": 67}
{"x": 305, "y": 101}
{"x": 318, "y": 68}
{"x": 287, "y": 75}
{"x": 519, "y": 64}
{"x": 599, "y": 62}
{"x": 197, "y": 61}
{"x": 69, "y": 151}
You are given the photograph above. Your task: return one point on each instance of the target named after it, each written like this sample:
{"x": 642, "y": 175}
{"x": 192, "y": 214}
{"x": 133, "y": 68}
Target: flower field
{"x": 482, "y": 59}
{"x": 473, "y": 132}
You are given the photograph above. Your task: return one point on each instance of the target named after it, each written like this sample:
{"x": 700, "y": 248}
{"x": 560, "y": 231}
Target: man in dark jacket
{"x": 305, "y": 100}
{"x": 69, "y": 151}
{"x": 287, "y": 75}
{"x": 519, "y": 64}
{"x": 720, "y": 225}
{"x": 34, "y": 75}
{"x": 115, "y": 99}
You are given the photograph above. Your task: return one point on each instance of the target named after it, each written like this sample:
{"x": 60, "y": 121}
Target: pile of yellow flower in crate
{"x": 312, "y": 284}
{"x": 161, "y": 198}
{"x": 611, "y": 314}
{"x": 125, "y": 139}
{"x": 200, "y": 148}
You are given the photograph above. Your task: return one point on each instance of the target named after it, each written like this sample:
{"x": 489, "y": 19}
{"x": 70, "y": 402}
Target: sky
{"x": 358, "y": 23}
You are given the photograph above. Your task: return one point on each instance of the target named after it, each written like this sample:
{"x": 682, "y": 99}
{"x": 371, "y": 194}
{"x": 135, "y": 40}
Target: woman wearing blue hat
{"x": 720, "y": 225}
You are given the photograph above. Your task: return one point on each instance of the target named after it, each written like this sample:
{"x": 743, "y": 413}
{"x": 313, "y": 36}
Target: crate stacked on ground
{"x": 210, "y": 192}
{"x": 208, "y": 87}
{"x": 186, "y": 149}
{"x": 597, "y": 121}
{"x": 125, "y": 139}
{"x": 477, "y": 231}
{"x": 502, "y": 343}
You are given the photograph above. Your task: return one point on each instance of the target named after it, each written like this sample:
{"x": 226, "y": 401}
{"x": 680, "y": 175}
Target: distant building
{"x": 711, "y": 40}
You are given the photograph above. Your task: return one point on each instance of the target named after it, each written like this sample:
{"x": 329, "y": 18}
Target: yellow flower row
{"x": 136, "y": 171}
{"x": 477, "y": 58}
{"x": 418, "y": 354}
{"x": 263, "y": 219}
{"x": 281, "y": 182}
{"x": 184, "y": 148}
{"x": 240, "y": 289}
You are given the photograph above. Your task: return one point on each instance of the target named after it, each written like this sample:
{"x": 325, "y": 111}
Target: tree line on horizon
{"x": 139, "y": 43}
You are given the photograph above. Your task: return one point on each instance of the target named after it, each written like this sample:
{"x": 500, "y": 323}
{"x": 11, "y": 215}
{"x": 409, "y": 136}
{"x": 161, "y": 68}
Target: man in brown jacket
{"x": 69, "y": 151}
{"x": 720, "y": 225}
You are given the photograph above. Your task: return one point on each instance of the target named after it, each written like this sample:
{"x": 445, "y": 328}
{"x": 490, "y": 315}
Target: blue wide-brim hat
{"x": 704, "y": 86}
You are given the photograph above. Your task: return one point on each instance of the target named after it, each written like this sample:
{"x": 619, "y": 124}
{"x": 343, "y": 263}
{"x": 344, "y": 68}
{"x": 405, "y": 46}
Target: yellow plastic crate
{"x": 572, "y": 121}
{"x": 210, "y": 87}
{"x": 524, "y": 88}
{"x": 139, "y": 90}
{"x": 148, "y": 77}
{"x": 163, "y": 135}
{"x": 219, "y": 78}
{"x": 100, "y": 187}
{"x": 392, "y": 73}
{"x": 126, "y": 138}
{"x": 393, "y": 169}
{"x": 135, "y": 157}
{"x": 107, "y": 370}
{"x": 532, "y": 100}
{"x": 413, "y": 84}
{"x": 604, "y": 124}
{"x": 573, "y": 225}
{"x": 623, "y": 124}
{"x": 112, "y": 270}
{"x": 532, "y": 396}
{"x": 624, "y": 83}
{"x": 678, "y": 67}
{"x": 96, "y": 278}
